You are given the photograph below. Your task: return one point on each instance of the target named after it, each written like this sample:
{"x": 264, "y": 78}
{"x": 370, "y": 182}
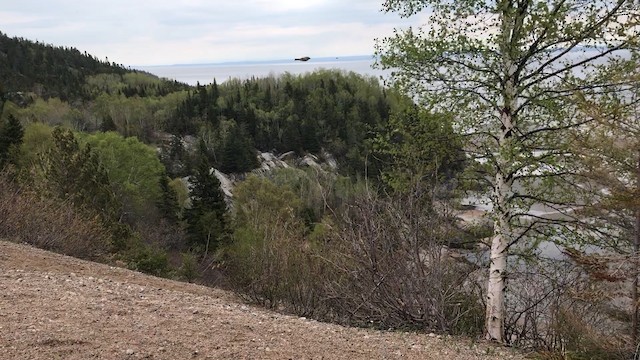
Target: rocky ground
{"x": 58, "y": 307}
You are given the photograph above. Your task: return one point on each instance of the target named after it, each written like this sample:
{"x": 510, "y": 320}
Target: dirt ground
{"x": 58, "y": 307}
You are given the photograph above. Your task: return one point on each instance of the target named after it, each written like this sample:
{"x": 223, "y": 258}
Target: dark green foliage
{"x": 175, "y": 158}
{"x": 11, "y": 134}
{"x": 75, "y": 173}
{"x": 168, "y": 203}
{"x": 206, "y": 223}
{"x": 51, "y": 71}
{"x": 332, "y": 110}
{"x": 238, "y": 154}
{"x": 189, "y": 268}
{"x": 108, "y": 124}
{"x": 148, "y": 259}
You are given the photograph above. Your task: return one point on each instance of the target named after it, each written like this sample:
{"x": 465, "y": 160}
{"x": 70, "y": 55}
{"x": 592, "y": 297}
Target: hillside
{"x": 55, "y": 71}
{"x": 55, "y": 306}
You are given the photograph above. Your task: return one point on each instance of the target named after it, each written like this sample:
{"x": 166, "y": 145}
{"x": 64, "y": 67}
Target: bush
{"x": 269, "y": 260}
{"x": 394, "y": 272}
{"x": 146, "y": 258}
{"x": 381, "y": 263}
{"x": 189, "y": 270}
{"x": 49, "y": 224}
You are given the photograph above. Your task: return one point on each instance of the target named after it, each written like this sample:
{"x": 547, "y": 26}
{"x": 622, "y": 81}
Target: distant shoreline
{"x": 269, "y": 62}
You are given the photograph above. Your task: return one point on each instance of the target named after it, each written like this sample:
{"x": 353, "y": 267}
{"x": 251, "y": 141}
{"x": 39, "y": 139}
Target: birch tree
{"x": 507, "y": 70}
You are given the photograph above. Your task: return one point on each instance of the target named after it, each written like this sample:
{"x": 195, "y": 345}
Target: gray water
{"x": 206, "y": 73}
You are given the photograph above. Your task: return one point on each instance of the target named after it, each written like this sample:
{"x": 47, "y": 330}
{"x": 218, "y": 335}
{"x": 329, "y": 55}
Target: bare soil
{"x": 57, "y": 307}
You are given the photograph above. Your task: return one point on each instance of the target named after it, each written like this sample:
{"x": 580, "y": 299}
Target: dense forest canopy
{"x": 52, "y": 71}
{"x": 336, "y": 112}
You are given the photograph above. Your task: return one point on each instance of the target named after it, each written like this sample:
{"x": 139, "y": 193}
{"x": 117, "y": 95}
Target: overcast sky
{"x": 162, "y": 32}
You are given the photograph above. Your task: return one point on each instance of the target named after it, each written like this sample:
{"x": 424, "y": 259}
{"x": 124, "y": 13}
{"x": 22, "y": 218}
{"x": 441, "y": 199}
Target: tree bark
{"x": 503, "y": 188}
{"x": 634, "y": 284}
{"x": 495, "y": 307}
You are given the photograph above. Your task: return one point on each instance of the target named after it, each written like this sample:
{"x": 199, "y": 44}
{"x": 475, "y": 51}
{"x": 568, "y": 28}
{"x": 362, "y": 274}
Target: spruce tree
{"x": 206, "y": 223}
{"x": 238, "y": 154}
{"x": 168, "y": 202}
{"x": 11, "y": 134}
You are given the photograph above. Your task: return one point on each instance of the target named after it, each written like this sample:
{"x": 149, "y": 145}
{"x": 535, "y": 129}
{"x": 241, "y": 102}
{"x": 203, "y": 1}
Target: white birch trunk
{"x": 503, "y": 188}
{"x": 495, "y": 311}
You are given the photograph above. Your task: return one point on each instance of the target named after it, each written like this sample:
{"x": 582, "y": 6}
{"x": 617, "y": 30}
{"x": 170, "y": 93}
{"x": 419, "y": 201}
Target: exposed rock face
{"x": 269, "y": 162}
{"x": 226, "y": 184}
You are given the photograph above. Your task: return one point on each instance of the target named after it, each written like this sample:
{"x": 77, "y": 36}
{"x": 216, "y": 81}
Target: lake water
{"x": 205, "y": 73}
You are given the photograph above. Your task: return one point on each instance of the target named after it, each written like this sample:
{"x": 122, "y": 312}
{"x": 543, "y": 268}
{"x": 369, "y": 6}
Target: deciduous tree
{"x": 506, "y": 69}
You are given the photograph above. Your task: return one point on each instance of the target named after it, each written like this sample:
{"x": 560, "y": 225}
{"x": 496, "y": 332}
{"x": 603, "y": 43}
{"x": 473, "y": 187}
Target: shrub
{"x": 49, "y": 224}
{"x": 394, "y": 272}
{"x": 189, "y": 270}
{"x": 381, "y": 263}
{"x": 146, "y": 258}
{"x": 269, "y": 260}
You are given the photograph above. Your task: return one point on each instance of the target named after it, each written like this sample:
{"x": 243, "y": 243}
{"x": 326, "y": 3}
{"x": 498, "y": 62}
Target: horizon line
{"x": 247, "y": 62}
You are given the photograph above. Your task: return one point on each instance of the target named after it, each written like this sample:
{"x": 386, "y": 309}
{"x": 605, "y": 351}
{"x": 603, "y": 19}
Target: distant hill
{"x": 53, "y": 71}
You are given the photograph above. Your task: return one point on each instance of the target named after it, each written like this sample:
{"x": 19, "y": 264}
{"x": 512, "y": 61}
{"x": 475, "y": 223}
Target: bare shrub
{"x": 49, "y": 223}
{"x": 394, "y": 269}
{"x": 377, "y": 261}
{"x": 557, "y": 309}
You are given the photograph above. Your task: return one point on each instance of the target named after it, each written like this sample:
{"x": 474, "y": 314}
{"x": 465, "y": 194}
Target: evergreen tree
{"x": 168, "y": 202}
{"x": 11, "y": 134}
{"x": 238, "y": 154}
{"x": 108, "y": 124}
{"x": 75, "y": 173}
{"x": 206, "y": 223}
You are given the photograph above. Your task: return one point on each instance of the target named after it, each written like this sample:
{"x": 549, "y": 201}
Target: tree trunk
{"x": 503, "y": 188}
{"x": 495, "y": 310}
{"x": 634, "y": 285}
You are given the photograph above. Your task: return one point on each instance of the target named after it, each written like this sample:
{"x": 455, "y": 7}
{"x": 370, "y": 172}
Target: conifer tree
{"x": 168, "y": 202}
{"x": 11, "y": 134}
{"x": 238, "y": 154}
{"x": 206, "y": 223}
{"x": 75, "y": 173}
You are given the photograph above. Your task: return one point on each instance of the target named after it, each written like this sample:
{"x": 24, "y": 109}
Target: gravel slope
{"x": 58, "y": 307}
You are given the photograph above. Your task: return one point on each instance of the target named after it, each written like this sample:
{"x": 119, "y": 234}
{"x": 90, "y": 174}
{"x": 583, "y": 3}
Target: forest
{"x": 490, "y": 189}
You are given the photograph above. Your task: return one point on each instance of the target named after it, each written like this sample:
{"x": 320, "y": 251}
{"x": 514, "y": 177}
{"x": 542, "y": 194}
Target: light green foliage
{"x": 509, "y": 70}
{"x": 182, "y": 193}
{"x": 53, "y": 112}
{"x": 130, "y": 115}
{"x": 266, "y": 207}
{"x": 37, "y": 140}
{"x": 133, "y": 167}
{"x": 264, "y": 257}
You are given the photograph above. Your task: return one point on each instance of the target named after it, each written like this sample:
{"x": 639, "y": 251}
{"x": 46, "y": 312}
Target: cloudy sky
{"x": 163, "y": 32}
